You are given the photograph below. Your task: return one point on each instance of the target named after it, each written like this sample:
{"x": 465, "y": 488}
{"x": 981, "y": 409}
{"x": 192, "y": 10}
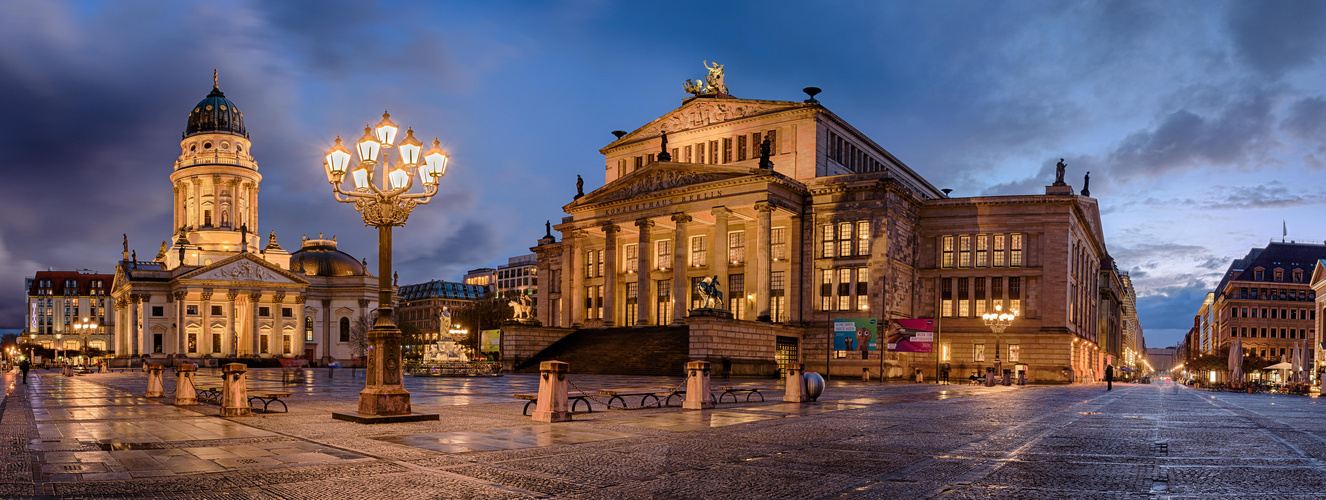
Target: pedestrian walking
{"x": 727, "y": 367}
{"x": 24, "y": 366}
{"x": 1109, "y": 377}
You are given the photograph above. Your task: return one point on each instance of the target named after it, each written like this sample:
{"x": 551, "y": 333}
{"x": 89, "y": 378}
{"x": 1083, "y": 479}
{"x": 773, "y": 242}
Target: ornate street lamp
{"x": 381, "y": 195}
{"x": 85, "y": 328}
{"x": 998, "y": 321}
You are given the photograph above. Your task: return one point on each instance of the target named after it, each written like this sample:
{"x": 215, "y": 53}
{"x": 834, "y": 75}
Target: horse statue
{"x": 710, "y": 296}
{"x": 521, "y": 307}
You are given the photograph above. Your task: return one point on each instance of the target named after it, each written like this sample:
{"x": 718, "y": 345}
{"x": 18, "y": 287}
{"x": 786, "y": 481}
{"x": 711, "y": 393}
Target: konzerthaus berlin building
{"x": 835, "y": 227}
{"x": 210, "y": 291}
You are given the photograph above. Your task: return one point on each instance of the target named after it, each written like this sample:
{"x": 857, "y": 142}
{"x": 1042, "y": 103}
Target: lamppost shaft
{"x": 385, "y": 318}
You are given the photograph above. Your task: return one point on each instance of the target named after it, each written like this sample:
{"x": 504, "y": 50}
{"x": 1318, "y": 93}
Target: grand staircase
{"x": 655, "y": 350}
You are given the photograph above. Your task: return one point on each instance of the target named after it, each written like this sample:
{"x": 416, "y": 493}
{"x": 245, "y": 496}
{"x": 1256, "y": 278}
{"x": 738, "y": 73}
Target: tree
{"x": 359, "y": 336}
{"x": 485, "y": 313}
{"x": 412, "y": 342}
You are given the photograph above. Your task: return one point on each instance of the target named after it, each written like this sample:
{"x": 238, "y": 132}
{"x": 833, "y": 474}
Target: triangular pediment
{"x": 1318, "y": 272}
{"x": 659, "y": 177}
{"x": 244, "y": 267}
{"x": 701, "y": 112}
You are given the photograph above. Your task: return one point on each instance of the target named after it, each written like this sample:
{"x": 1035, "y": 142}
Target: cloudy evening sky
{"x": 1201, "y": 122}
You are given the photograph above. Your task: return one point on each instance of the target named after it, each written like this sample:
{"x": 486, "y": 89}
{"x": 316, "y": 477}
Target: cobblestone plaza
{"x": 95, "y": 435}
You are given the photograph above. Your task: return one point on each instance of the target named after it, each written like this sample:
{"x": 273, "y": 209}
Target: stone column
{"x": 568, "y": 283}
{"x": 792, "y": 278}
{"x": 577, "y": 292}
{"x": 181, "y": 336}
{"x": 134, "y": 339}
{"x": 205, "y": 336}
{"x": 718, "y": 253}
{"x": 763, "y": 228}
{"x": 326, "y": 329}
{"x": 196, "y": 207}
{"x": 254, "y": 298}
{"x": 610, "y": 272}
{"x": 121, "y": 328}
{"x": 680, "y": 288}
{"x": 643, "y": 295}
{"x": 297, "y": 345}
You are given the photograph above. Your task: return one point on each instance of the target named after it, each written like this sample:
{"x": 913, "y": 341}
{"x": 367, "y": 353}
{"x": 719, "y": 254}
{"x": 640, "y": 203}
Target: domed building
{"x": 211, "y": 292}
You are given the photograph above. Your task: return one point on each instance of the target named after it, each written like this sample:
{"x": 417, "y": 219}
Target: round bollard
{"x": 814, "y": 385}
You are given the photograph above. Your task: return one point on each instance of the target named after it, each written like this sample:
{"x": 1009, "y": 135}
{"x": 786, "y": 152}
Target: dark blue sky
{"x": 1201, "y": 122}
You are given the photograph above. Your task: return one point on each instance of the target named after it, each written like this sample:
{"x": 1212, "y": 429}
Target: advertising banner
{"x": 490, "y": 340}
{"x": 912, "y": 335}
{"x": 860, "y": 334}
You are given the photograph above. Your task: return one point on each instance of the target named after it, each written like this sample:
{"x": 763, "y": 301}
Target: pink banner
{"x": 912, "y": 335}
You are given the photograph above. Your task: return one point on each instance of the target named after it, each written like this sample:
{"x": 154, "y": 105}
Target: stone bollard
{"x": 865, "y": 374}
{"x": 552, "y": 405}
{"x": 697, "y": 384}
{"x": 154, "y": 387}
{"x": 185, "y": 393}
{"x": 234, "y": 394}
{"x": 795, "y": 383}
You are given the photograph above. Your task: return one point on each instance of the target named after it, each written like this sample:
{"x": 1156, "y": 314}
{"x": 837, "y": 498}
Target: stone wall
{"x": 520, "y": 342}
{"x": 749, "y": 344}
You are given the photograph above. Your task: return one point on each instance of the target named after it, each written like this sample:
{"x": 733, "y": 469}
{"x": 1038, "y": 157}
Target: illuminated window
{"x": 946, "y": 352}
{"x": 964, "y": 302}
{"x": 1015, "y": 250}
{"x": 980, "y": 296}
{"x": 736, "y": 247}
{"x": 863, "y": 238}
{"x": 308, "y": 328}
{"x": 736, "y": 285}
{"x": 632, "y": 258}
{"x": 946, "y": 297}
{"x": 778, "y": 243}
{"x": 1014, "y": 352}
{"x": 998, "y": 260}
{"x": 828, "y": 240}
{"x": 699, "y": 256}
{"x": 978, "y": 352}
{"x": 862, "y": 298}
{"x": 663, "y": 254}
{"x": 947, "y": 262}
{"x": 845, "y": 289}
{"x": 664, "y": 304}
{"x": 1015, "y": 293}
{"x": 964, "y": 251}
{"x": 982, "y": 251}
{"x": 845, "y": 239}
{"x": 826, "y": 289}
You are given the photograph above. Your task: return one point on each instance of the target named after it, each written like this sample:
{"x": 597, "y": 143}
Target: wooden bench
{"x": 209, "y": 394}
{"x": 750, "y": 390}
{"x": 645, "y": 393}
{"x": 576, "y": 398}
{"x": 268, "y": 398}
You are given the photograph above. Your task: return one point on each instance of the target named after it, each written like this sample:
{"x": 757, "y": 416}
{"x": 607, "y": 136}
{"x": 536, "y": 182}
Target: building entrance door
{"x": 786, "y": 351}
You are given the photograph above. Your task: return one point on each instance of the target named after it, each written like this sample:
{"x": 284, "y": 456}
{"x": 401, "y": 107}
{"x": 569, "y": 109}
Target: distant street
{"x": 95, "y": 435}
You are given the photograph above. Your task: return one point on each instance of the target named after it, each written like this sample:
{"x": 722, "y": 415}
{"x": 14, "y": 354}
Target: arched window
{"x": 345, "y": 329}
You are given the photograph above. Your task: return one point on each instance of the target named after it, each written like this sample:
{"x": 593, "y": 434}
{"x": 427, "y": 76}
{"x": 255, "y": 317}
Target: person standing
{"x": 24, "y": 366}
{"x": 727, "y": 367}
{"x": 1109, "y": 377}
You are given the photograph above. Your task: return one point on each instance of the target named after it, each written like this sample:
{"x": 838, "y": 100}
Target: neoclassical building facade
{"x": 803, "y": 219}
{"x": 211, "y": 291}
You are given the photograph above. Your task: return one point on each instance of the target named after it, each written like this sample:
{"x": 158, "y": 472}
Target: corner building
{"x": 834, "y": 227}
{"x": 210, "y": 292}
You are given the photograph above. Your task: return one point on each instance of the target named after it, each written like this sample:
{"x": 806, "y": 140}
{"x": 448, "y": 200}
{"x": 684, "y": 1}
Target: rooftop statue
{"x": 580, "y": 186}
{"x": 1059, "y": 173}
{"x": 711, "y": 84}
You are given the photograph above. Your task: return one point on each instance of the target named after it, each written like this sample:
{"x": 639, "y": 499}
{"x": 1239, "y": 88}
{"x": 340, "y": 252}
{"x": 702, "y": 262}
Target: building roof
{"x": 438, "y": 289}
{"x": 216, "y": 114}
{"x": 319, "y": 257}
{"x": 1286, "y": 256}
{"x": 57, "y": 278}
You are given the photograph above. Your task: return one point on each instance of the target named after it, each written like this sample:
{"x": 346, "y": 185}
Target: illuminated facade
{"x": 210, "y": 291}
{"x": 59, "y": 302}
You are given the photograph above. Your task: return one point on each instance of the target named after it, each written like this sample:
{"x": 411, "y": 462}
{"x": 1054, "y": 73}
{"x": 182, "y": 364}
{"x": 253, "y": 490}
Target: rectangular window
{"x": 980, "y": 296}
{"x": 687, "y": 153}
{"x": 964, "y": 251}
{"x": 741, "y": 147}
{"x": 262, "y": 344}
{"x": 862, "y": 281}
{"x": 699, "y": 256}
{"x": 998, "y": 260}
{"x": 1014, "y": 352}
{"x": 772, "y": 137}
{"x": 1015, "y": 293}
{"x": 216, "y": 311}
{"x": 663, "y": 255}
{"x": 664, "y": 304}
{"x": 827, "y": 239}
{"x": 964, "y": 303}
{"x": 632, "y": 302}
{"x": 946, "y": 352}
{"x": 736, "y": 247}
{"x": 713, "y": 155}
{"x": 287, "y": 312}
{"x": 632, "y": 257}
{"x": 978, "y": 352}
{"x": 649, "y": 158}
{"x": 777, "y": 299}
{"x": 736, "y": 301}
{"x": 699, "y": 153}
{"x": 863, "y": 238}
{"x": 947, "y": 247}
{"x": 845, "y": 239}
{"x": 1015, "y": 250}
{"x": 639, "y": 162}
{"x": 982, "y": 252}
{"x": 263, "y": 311}
{"x": 778, "y": 243}
{"x": 727, "y": 150}
{"x": 216, "y": 343}
{"x": 946, "y": 298}
{"x": 826, "y": 289}
{"x": 193, "y": 343}
{"x": 158, "y": 311}
{"x": 696, "y": 301}
{"x": 845, "y": 289}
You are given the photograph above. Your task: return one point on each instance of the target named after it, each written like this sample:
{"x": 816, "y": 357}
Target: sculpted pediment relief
{"x": 702, "y": 112}
{"x": 242, "y": 268}
{"x": 653, "y": 180}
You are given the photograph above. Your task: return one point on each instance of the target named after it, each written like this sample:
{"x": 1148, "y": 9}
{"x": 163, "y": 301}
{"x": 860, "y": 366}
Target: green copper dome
{"x": 216, "y": 114}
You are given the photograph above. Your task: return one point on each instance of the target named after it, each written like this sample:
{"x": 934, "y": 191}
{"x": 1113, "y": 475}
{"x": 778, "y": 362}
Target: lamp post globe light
{"x": 998, "y": 321}
{"x": 382, "y": 196}
{"x": 84, "y": 328}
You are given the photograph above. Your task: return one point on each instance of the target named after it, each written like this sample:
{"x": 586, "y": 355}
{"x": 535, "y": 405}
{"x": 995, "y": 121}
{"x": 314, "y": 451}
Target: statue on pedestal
{"x": 580, "y": 186}
{"x": 710, "y": 296}
{"x": 1059, "y": 173}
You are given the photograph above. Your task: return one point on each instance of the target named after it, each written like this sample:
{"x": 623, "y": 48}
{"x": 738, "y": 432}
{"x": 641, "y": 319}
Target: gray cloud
{"x": 1275, "y": 37}
{"x": 1235, "y": 135}
{"x": 1306, "y": 118}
